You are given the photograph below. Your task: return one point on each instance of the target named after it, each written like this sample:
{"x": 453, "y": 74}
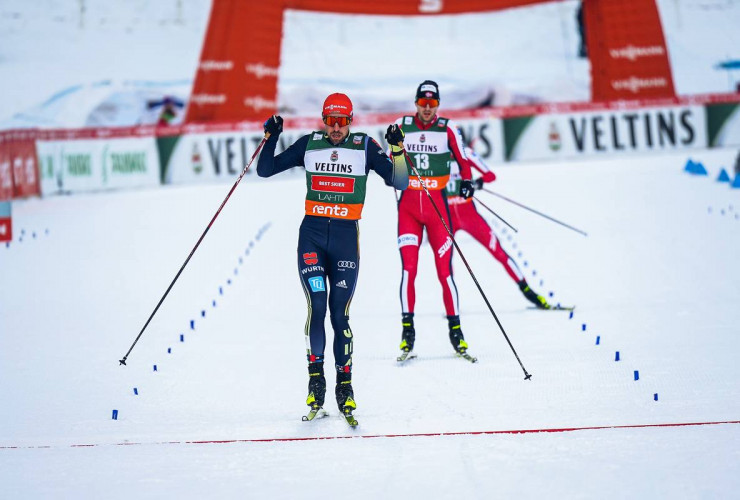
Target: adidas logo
{"x": 342, "y": 284}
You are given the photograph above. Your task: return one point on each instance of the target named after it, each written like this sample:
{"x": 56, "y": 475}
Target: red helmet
{"x": 337, "y": 103}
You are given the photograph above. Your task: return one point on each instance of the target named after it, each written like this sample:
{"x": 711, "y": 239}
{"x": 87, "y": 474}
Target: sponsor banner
{"x": 723, "y": 124}
{"x": 570, "y": 135}
{"x": 237, "y": 74}
{"x": 6, "y": 172}
{"x": 213, "y": 154}
{"x": 6, "y": 223}
{"x": 95, "y": 164}
{"x": 627, "y": 50}
{"x": 18, "y": 165}
{"x": 24, "y": 163}
{"x": 238, "y": 70}
{"x": 210, "y": 157}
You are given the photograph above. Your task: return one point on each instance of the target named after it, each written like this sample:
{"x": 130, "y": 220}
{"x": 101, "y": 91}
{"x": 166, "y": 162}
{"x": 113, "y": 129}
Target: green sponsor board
{"x": 604, "y": 133}
{"x": 723, "y": 124}
{"x": 94, "y": 164}
{"x": 210, "y": 157}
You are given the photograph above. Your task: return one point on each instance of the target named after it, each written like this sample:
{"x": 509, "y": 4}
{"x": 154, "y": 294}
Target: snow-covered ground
{"x": 657, "y": 279}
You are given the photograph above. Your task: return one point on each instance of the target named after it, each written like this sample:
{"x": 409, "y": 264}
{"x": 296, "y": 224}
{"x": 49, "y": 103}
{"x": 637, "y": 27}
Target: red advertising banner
{"x": 6, "y": 173}
{"x": 24, "y": 163}
{"x": 237, "y": 75}
{"x": 6, "y": 226}
{"x": 627, "y": 50}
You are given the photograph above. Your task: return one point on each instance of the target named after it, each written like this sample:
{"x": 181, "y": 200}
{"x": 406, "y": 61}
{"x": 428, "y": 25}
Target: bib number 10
{"x": 421, "y": 160}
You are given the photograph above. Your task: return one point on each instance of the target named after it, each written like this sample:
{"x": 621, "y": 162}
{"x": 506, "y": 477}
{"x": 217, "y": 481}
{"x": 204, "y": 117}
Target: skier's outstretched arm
{"x": 268, "y": 164}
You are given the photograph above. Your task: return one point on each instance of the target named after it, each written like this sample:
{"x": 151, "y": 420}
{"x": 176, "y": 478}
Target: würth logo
{"x": 202, "y": 99}
{"x": 261, "y": 71}
{"x": 633, "y": 53}
{"x": 635, "y": 84}
{"x": 258, "y": 103}
{"x": 211, "y": 65}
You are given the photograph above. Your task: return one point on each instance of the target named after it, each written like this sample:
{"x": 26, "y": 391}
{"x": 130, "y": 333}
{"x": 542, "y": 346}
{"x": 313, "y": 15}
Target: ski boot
{"x": 316, "y": 389}
{"x": 408, "y": 336}
{"x": 457, "y": 340}
{"x": 345, "y": 395}
{"x": 456, "y": 335}
{"x": 537, "y": 300}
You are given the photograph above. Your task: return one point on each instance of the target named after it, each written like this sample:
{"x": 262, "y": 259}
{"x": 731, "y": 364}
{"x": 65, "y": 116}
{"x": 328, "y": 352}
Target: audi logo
{"x": 347, "y": 263}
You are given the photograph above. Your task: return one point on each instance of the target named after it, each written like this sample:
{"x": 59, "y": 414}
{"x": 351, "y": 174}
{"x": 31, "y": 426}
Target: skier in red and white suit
{"x": 429, "y": 141}
{"x": 466, "y": 218}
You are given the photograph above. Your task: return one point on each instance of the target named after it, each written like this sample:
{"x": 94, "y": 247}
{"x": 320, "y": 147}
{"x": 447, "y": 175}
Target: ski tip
{"x": 122, "y": 361}
{"x": 528, "y": 377}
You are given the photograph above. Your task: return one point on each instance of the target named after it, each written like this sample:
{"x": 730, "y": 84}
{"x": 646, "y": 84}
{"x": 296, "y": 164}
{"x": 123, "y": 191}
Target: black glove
{"x": 466, "y": 189}
{"x": 394, "y": 135}
{"x": 274, "y": 125}
{"x": 478, "y": 183}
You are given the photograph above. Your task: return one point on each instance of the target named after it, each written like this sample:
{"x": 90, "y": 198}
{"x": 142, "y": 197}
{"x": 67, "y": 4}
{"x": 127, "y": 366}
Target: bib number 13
{"x": 421, "y": 160}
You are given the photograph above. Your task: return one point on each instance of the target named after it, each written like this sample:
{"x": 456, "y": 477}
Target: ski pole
{"x": 527, "y": 376}
{"x": 497, "y": 215}
{"x": 535, "y": 211}
{"x": 244, "y": 171}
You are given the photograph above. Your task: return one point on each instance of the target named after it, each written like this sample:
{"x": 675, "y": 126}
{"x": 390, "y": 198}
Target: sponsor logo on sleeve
{"x": 317, "y": 284}
{"x": 408, "y": 239}
{"x": 407, "y": 120}
{"x": 357, "y": 139}
{"x": 318, "y": 137}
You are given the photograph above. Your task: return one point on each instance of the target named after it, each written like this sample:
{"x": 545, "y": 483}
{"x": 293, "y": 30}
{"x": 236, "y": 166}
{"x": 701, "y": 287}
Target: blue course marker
{"x": 182, "y": 337}
{"x": 136, "y": 391}
{"x": 655, "y": 396}
{"x": 192, "y": 324}
{"x": 598, "y": 339}
{"x": 637, "y": 375}
{"x": 115, "y": 415}
{"x": 203, "y": 313}
{"x": 169, "y": 350}
{"x": 220, "y": 290}
{"x": 214, "y": 303}
{"x": 583, "y": 327}
{"x": 155, "y": 368}
{"x": 616, "y": 356}
{"x": 570, "y": 316}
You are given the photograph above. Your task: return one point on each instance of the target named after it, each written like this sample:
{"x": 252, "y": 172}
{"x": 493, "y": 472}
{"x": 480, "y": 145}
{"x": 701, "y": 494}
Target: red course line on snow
{"x": 427, "y": 434}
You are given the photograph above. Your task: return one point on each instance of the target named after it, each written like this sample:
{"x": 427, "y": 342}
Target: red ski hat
{"x": 337, "y": 103}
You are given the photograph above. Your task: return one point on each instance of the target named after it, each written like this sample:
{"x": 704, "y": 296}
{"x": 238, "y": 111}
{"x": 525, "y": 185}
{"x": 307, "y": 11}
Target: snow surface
{"x": 657, "y": 279}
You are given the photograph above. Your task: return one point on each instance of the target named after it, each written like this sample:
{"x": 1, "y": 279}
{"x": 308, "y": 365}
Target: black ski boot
{"x": 316, "y": 385}
{"x": 537, "y": 300}
{"x": 456, "y": 335}
{"x": 408, "y": 334}
{"x": 345, "y": 395}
